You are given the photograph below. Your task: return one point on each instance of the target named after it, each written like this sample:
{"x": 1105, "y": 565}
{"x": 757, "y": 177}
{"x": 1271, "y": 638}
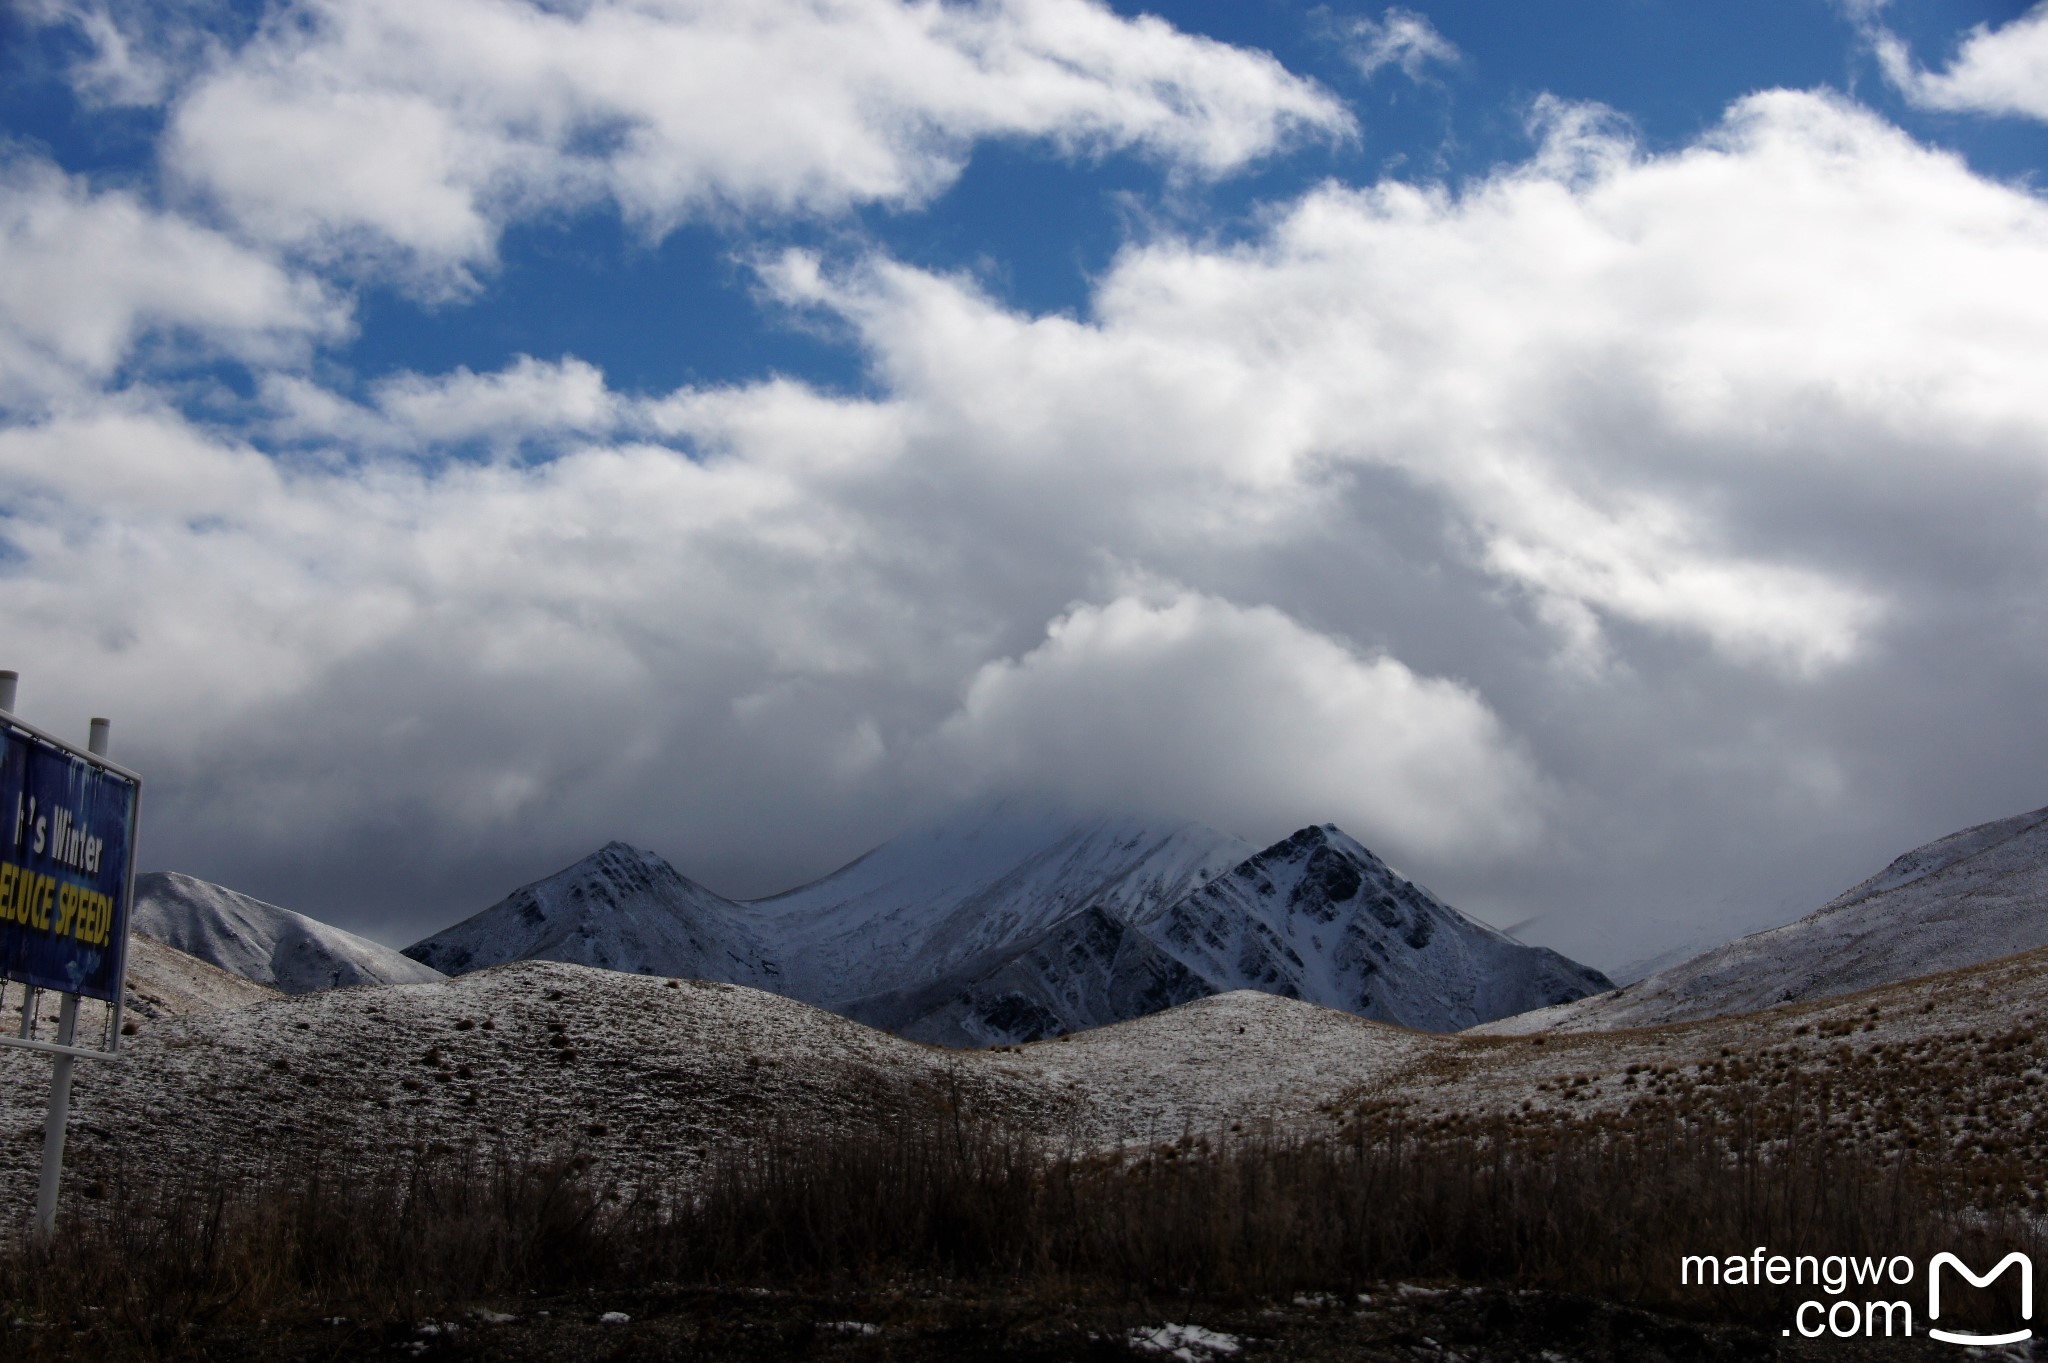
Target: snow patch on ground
{"x": 1188, "y": 1343}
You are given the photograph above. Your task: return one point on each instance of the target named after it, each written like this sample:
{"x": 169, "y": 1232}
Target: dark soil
{"x": 1476, "y": 1325}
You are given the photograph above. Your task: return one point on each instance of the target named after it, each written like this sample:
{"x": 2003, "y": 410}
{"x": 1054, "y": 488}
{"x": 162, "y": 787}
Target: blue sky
{"x": 1036, "y": 226}
{"x": 1588, "y": 451}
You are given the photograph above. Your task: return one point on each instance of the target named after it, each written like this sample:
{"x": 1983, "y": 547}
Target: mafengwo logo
{"x": 1947, "y": 1260}
{"x": 1845, "y": 1317}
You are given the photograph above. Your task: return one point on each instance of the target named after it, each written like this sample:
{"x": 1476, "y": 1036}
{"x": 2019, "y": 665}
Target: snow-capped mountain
{"x": 911, "y": 911}
{"x": 1012, "y": 921}
{"x": 1318, "y": 917}
{"x": 1315, "y": 917}
{"x": 262, "y": 942}
{"x": 619, "y": 908}
{"x": 990, "y": 878}
{"x": 1961, "y": 900}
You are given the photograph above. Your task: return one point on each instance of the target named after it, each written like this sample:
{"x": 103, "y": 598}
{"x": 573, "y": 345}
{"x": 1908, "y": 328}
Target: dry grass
{"x": 1903, "y": 1122}
{"x": 1601, "y": 1207}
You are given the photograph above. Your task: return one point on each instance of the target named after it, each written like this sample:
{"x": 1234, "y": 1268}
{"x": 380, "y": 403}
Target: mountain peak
{"x": 1318, "y": 916}
{"x": 1302, "y": 839}
{"x": 1008, "y": 920}
{"x": 621, "y": 908}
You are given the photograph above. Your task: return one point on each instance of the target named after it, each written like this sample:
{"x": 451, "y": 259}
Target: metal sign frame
{"x": 26, "y": 1039}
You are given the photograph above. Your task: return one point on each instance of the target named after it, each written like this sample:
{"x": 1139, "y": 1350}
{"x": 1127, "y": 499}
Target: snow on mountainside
{"x": 260, "y": 941}
{"x": 1316, "y": 917}
{"x": 910, "y": 911}
{"x": 620, "y": 909}
{"x": 163, "y": 982}
{"x": 1089, "y": 970}
{"x": 1012, "y": 922}
{"x": 1970, "y": 897}
{"x": 539, "y": 1056}
{"x": 999, "y": 874}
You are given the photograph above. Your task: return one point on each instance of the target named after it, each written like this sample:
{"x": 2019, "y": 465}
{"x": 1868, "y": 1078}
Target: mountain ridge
{"x": 1007, "y": 923}
{"x": 923, "y": 904}
{"x": 1976, "y": 895}
{"x": 260, "y": 941}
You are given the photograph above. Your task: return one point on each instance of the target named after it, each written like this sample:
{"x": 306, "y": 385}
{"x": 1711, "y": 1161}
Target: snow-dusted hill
{"x": 164, "y": 982}
{"x": 649, "y": 1078}
{"x": 620, "y": 909}
{"x": 535, "y": 1056}
{"x": 1316, "y": 917}
{"x": 1970, "y": 897}
{"x": 260, "y": 941}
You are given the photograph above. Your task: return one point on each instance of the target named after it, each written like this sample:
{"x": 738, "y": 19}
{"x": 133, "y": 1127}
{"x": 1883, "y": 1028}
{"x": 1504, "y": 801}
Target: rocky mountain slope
{"x": 1970, "y": 897}
{"x": 1320, "y": 918}
{"x": 619, "y": 909}
{"x": 262, "y": 942}
{"x": 991, "y": 877}
{"x": 1315, "y": 917}
{"x": 1089, "y": 970}
{"x": 1009, "y": 922}
{"x": 957, "y": 892}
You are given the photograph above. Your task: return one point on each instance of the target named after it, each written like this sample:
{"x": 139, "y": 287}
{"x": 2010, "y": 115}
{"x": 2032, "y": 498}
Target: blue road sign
{"x": 67, "y": 845}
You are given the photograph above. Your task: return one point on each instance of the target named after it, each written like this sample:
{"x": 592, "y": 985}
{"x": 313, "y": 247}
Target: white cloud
{"x": 1244, "y": 717}
{"x": 1603, "y": 365}
{"x": 85, "y": 274}
{"x": 530, "y": 398}
{"x": 1998, "y": 70}
{"x": 130, "y": 60}
{"x": 413, "y": 133}
{"x": 1402, "y": 39}
{"x": 1701, "y": 473}
{"x": 536, "y": 406}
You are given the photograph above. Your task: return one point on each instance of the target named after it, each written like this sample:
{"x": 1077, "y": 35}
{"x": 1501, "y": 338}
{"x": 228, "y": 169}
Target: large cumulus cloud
{"x": 1616, "y": 535}
{"x": 1173, "y": 700}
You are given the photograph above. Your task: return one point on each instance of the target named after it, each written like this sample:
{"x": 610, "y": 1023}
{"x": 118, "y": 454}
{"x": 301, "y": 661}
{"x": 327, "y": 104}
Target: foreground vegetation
{"x": 948, "y": 1206}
